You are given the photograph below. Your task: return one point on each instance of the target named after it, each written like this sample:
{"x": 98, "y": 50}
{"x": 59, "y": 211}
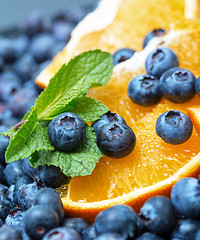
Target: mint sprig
{"x": 66, "y": 92}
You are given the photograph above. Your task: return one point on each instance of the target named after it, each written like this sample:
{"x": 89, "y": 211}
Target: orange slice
{"x": 194, "y": 114}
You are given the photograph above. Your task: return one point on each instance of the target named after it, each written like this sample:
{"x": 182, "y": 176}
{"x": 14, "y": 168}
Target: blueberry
{"x": 15, "y": 218}
{"x": 197, "y": 236}
{"x": 38, "y": 220}
{"x": 6, "y": 117}
{"x": 89, "y": 233}
{"x": 110, "y": 236}
{"x": 66, "y": 131}
{"x": 5, "y": 207}
{"x": 155, "y": 33}
{"x": 50, "y": 197}
{"x": 158, "y": 215}
{"x": 7, "y": 50}
{"x": 26, "y": 195}
{"x": 3, "y": 192}
{"x": 20, "y": 43}
{"x": 116, "y": 140}
{"x": 144, "y": 90}
{"x": 62, "y": 233}
{"x": 13, "y": 171}
{"x": 25, "y": 67}
{"x": 185, "y": 197}
{"x": 149, "y": 236}
{"x": 4, "y": 142}
{"x": 2, "y": 177}
{"x": 62, "y": 30}
{"x": 122, "y": 55}
{"x": 120, "y": 219}
{"x": 30, "y": 171}
{"x": 52, "y": 176}
{"x": 197, "y": 86}
{"x": 10, "y": 192}
{"x": 41, "y": 47}
{"x": 1, "y": 223}
{"x": 2, "y": 64}
{"x": 107, "y": 118}
{"x": 7, "y": 232}
{"x": 78, "y": 224}
{"x": 178, "y": 85}
{"x": 140, "y": 229}
{"x": 159, "y": 61}
{"x": 174, "y": 127}
{"x": 185, "y": 230}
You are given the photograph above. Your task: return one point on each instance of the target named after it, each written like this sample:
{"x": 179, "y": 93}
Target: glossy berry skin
{"x": 7, "y": 232}
{"x": 120, "y": 219}
{"x": 78, "y": 224}
{"x": 5, "y": 207}
{"x": 29, "y": 170}
{"x": 50, "y": 197}
{"x": 174, "y": 127}
{"x": 185, "y": 229}
{"x": 62, "y": 233}
{"x": 177, "y": 85}
{"x": 122, "y": 55}
{"x": 110, "y": 236}
{"x": 107, "y": 118}
{"x": 89, "y": 233}
{"x": 66, "y": 131}
{"x": 158, "y": 215}
{"x": 185, "y": 197}
{"x": 7, "y": 51}
{"x": 158, "y": 32}
{"x": 197, "y": 86}
{"x": 15, "y": 218}
{"x": 116, "y": 140}
{"x": 149, "y": 236}
{"x": 20, "y": 43}
{"x": 144, "y": 90}
{"x": 39, "y": 220}
{"x": 160, "y": 60}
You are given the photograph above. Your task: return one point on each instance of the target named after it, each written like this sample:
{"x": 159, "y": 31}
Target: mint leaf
{"x": 71, "y": 82}
{"x": 90, "y": 109}
{"x": 78, "y": 163}
{"x": 30, "y": 137}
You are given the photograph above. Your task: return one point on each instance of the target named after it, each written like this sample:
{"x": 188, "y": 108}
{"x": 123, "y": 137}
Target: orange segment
{"x": 194, "y": 114}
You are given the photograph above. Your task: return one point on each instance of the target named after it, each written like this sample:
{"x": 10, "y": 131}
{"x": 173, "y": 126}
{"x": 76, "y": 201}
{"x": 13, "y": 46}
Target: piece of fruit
{"x": 160, "y": 60}
{"x": 78, "y": 224}
{"x": 197, "y": 86}
{"x": 66, "y": 131}
{"x": 144, "y": 90}
{"x": 174, "y": 127}
{"x": 178, "y": 85}
{"x": 155, "y": 33}
{"x": 149, "y": 236}
{"x": 110, "y": 236}
{"x": 65, "y": 233}
{"x": 122, "y": 55}
{"x": 154, "y": 166}
{"x": 7, "y": 232}
{"x": 194, "y": 114}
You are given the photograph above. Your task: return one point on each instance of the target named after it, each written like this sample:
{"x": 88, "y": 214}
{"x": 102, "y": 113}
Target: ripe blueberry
{"x": 155, "y": 33}
{"x": 116, "y": 140}
{"x": 122, "y": 55}
{"x": 78, "y": 224}
{"x": 110, "y": 236}
{"x": 177, "y": 85}
{"x": 89, "y": 233}
{"x": 149, "y": 236}
{"x": 15, "y": 218}
{"x": 144, "y": 90}
{"x": 174, "y": 127}
{"x": 66, "y": 131}
{"x": 160, "y": 60}
{"x": 62, "y": 233}
{"x": 7, "y": 232}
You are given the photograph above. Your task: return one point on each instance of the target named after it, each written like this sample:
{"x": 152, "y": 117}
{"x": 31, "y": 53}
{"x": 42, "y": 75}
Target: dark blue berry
{"x": 4, "y": 142}
{"x": 20, "y": 43}
{"x": 150, "y": 236}
{"x": 197, "y": 86}
{"x": 3, "y": 192}
{"x": 155, "y": 33}
{"x": 178, "y": 85}
{"x": 62, "y": 233}
{"x": 41, "y": 47}
{"x": 89, "y": 233}
{"x": 144, "y": 90}
{"x": 197, "y": 236}
{"x": 26, "y": 195}
{"x": 1, "y": 223}
{"x": 66, "y": 131}
{"x": 2, "y": 177}
{"x": 116, "y": 140}
{"x": 5, "y": 207}
{"x": 140, "y": 228}
{"x": 62, "y": 30}
{"x": 15, "y": 218}
{"x": 78, "y": 224}
{"x": 185, "y": 197}
{"x": 50, "y": 197}
{"x": 10, "y": 233}
{"x": 158, "y": 215}
{"x": 13, "y": 171}
{"x": 174, "y": 127}
{"x": 2, "y": 64}
{"x": 30, "y": 171}
{"x": 7, "y": 50}
{"x": 110, "y": 236}
{"x": 38, "y": 220}
{"x": 120, "y": 219}
{"x": 107, "y": 118}
{"x": 6, "y": 115}
{"x": 122, "y": 55}
{"x": 185, "y": 230}
{"x": 159, "y": 61}
{"x": 52, "y": 176}
{"x": 10, "y": 192}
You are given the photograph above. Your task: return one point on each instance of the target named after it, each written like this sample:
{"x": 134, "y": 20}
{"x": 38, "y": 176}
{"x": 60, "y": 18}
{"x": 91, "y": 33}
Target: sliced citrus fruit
{"x": 194, "y": 114}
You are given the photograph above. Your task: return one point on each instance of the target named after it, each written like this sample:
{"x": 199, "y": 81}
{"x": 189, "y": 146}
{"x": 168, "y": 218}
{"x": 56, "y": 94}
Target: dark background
{"x": 12, "y": 12}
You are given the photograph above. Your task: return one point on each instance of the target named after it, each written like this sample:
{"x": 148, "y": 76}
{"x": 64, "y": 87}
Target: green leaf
{"x": 71, "y": 82}
{"x": 77, "y": 163}
{"x": 30, "y": 137}
{"x": 90, "y": 109}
